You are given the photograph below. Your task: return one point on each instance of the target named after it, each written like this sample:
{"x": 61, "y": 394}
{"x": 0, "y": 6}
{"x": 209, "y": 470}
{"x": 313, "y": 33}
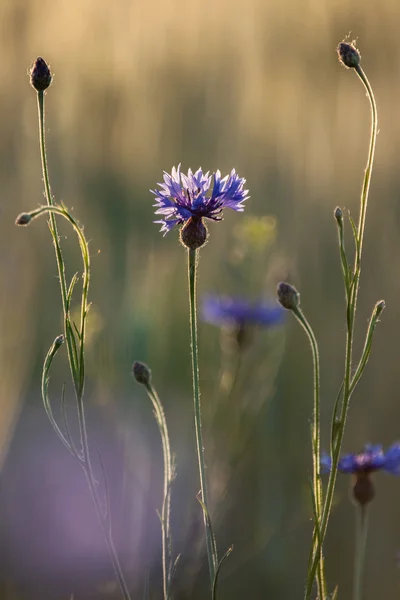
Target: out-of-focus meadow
{"x": 140, "y": 87}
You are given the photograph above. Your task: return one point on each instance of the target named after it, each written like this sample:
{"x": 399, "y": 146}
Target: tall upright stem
{"x": 105, "y": 520}
{"x": 76, "y": 360}
{"x": 350, "y": 314}
{"x": 360, "y": 546}
{"x": 316, "y": 446}
{"x": 211, "y": 550}
{"x": 53, "y": 228}
{"x": 168, "y": 477}
{"x": 370, "y": 161}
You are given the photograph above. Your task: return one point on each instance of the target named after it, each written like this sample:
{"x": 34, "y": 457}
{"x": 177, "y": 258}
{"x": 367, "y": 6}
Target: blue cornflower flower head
{"x": 372, "y": 459}
{"x": 224, "y": 310}
{"x": 362, "y": 464}
{"x": 195, "y": 196}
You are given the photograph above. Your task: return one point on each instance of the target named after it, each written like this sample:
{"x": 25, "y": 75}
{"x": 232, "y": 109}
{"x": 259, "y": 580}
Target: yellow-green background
{"x": 139, "y": 87}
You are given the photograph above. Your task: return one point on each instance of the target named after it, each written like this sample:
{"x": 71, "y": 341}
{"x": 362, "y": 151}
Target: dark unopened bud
{"x": 40, "y": 75}
{"x": 338, "y": 214}
{"x": 363, "y": 488}
{"x": 348, "y": 54}
{"x": 23, "y": 219}
{"x": 194, "y": 233}
{"x": 288, "y": 296}
{"x": 141, "y": 373}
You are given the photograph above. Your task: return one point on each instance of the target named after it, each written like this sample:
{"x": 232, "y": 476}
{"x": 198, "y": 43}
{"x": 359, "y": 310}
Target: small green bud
{"x": 23, "y": 219}
{"x": 288, "y": 296}
{"x": 348, "y": 54}
{"x": 141, "y": 373}
{"x": 194, "y": 233}
{"x": 40, "y": 75}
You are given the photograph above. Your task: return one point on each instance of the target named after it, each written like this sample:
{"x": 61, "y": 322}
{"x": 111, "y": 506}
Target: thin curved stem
{"x": 105, "y": 521}
{"x": 316, "y": 447}
{"x": 54, "y": 232}
{"x": 350, "y": 314}
{"x": 370, "y": 161}
{"x": 76, "y": 359}
{"x": 168, "y": 478}
{"x": 79, "y": 357}
{"x": 211, "y": 551}
{"x": 56, "y": 345}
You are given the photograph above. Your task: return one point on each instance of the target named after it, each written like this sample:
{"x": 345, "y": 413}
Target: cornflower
{"x": 189, "y": 197}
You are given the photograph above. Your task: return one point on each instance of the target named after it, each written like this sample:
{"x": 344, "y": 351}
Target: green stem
{"x": 343, "y": 257}
{"x": 378, "y": 308}
{"x": 217, "y": 572}
{"x": 105, "y": 520}
{"x": 370, "y": 161}
{"x": 211, "y": 552}
{"x": 76, "y": 360}
{"x": 53, "y": 228}
{"x": 360, "y": 547}
{"x": 79, "y": 357}
{"x": 351, "y": 311}
{"x": 168, "y": 477}
{"x": 316, "y": 447}
{"x": 45, "y": 396}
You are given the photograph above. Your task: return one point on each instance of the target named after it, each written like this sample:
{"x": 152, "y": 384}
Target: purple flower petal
{"x": 223, "y": 310}
{"x": 373, "y": 458}
{"x": 182, "y": 196}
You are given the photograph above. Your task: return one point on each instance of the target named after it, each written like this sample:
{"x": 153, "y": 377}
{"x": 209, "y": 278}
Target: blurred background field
{"x": 140, "y": 87}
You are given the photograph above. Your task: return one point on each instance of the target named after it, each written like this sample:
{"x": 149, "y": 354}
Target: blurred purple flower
{"x": 223, "y": 310}
{"x": 184, "y": 196}
{"x": 372, "y": 459}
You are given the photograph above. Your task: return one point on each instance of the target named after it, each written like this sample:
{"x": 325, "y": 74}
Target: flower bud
{"x": 141, "y": 373}
{"x": 348, "y": 54}
{"x": 363, "y": 488}
{"x": 338, "y": 214}
{"x": 194, "y": 233}
{"x": 379, "y": 307}
{"x": 288, "y": 296}
{"x": 40, "y": 75}
{"x": 23, "y": 219}
{"x": 58, "y": 342}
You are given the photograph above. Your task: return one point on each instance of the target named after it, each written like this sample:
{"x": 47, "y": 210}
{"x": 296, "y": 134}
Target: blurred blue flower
{"x": 372, "y": 459}
{"x": 184, "y": 196}
{"x": 223, "y": 310}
